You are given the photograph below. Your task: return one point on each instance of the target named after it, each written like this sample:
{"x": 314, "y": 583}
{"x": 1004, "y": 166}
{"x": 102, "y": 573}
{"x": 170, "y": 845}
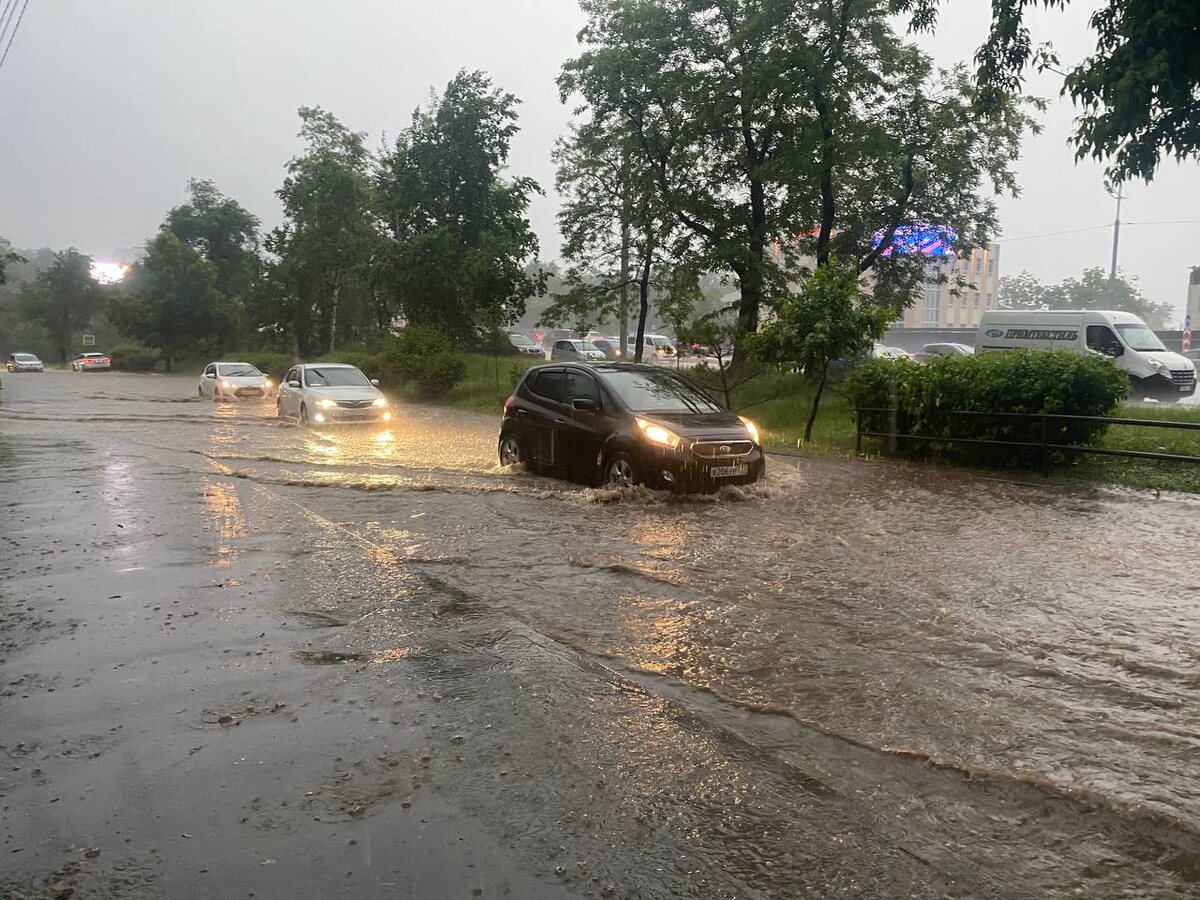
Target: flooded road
{"x": 858, "y": 680}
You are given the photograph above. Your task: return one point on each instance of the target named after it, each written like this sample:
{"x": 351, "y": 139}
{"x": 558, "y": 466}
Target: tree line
{"x": 766, "y": 154}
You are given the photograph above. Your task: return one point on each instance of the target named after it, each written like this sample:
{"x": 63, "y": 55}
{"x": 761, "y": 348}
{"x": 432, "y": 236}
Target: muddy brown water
{"x": 1007, "y": 671}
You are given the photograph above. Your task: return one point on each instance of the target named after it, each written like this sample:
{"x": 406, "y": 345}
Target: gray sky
{"x": 107, "y": 108}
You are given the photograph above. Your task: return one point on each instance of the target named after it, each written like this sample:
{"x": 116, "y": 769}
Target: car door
{"x": 208, "y": 381}
{"x": 580, "y": 433}
{"x": 545, "y": 412}
{"x": 289, "y": 396}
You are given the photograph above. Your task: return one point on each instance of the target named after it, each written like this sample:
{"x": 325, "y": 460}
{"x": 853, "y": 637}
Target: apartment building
{"x": 969, "y": 284}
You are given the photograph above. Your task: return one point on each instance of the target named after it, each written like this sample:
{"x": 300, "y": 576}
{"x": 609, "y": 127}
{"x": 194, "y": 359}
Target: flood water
{"x": 1008, "y": 667}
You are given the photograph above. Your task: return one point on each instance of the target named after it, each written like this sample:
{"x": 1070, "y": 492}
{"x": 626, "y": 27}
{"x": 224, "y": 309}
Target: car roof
{"x": 226, "y": 362}
{"x": 327, "y": 366}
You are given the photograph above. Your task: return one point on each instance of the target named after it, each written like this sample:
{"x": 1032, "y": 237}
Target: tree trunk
{"x": 624, "y": 302}
{"x": 643, "y": 305}
{"x": 750, "y": 272}
{"x": 812, "y": 415}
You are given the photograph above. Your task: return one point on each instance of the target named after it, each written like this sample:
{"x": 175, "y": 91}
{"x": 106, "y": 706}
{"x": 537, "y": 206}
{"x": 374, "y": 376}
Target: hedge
{"x": 1024, "y": 381}
{"x": 134, "y": 358}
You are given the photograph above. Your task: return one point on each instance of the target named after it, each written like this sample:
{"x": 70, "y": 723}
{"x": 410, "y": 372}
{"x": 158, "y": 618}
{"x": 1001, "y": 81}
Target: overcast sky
{"x": 107, "y": 108}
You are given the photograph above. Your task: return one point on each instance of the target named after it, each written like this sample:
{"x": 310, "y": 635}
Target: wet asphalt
{"x": 239, "y": 658}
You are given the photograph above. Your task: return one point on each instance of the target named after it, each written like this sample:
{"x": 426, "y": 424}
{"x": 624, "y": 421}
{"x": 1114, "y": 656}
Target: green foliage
{"x": 1094, "y": 290}
{"x": 64, "y": 300}
{"x": 7, "y": 258}
{"x": 371, "y": 364}
{"x": 425, "y": 357}
{"x": 171, "y": 302}
{"x": 761, "y": 120}
{"x": 321, "y": 291}
{"x": 222, "y": 231}
{"x": 827, "y": 318}
{"x": 134, "y": 358}
{"x": 1137, "y": 92}
{"x": 1024, "y": 381}
{"x": 460, "y": 231}
{"x": 268, "y": 362}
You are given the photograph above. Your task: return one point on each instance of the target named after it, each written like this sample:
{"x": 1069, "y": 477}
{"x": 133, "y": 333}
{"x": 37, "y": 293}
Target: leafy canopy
{"x": 1092, "y": 290}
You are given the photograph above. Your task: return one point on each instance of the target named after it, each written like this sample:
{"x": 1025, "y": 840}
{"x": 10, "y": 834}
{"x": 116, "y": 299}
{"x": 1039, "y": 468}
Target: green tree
{"x": 779, "y": 131}
{"x": 1138, "y": 93}
{"x": 64, "y": 299}
{"x": 8, "y": 256}
{"x": 1092, "y": 290}
{"x": 172, "y": 302}
{"x": 327, "y": 250}
{"x": 222, "y": 231}
{"x": 829, "y": 317}
{"x": 461, "y": 236}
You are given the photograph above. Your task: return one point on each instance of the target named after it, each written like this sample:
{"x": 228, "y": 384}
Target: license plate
{"x": 728, "y": 471}
{"x": 1185, "y": 387}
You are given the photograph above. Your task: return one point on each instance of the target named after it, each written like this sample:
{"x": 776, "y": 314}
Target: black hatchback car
{"x": 624, "y": 424}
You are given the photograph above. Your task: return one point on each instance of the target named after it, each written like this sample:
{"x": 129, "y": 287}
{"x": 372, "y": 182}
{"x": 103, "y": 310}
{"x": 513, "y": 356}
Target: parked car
{"x": 91, "y": 362}
{"x": 1154, "y": 371}
{"x": 654, "y": 346}
{"x": 233, "y": 381}
{"x": 331, "y": 394}
{"x": 947, "y": 349}
{"x": 624, "y": 424}
{"x": 523, "y": 346}
{"x": 576, "y": 350}
{"x": 24, "y": 362}
{"x": 882, "y": 351}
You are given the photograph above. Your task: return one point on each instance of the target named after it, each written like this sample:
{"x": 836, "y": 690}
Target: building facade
{"x": 969, "y": 284}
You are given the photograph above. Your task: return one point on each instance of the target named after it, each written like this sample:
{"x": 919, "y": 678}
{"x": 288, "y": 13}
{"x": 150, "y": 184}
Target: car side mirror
{"x": 294, "y": 384}
{"x": 584, "y": 404}
{"x": 375, "y": 381}
{"x": 210, "y": 375}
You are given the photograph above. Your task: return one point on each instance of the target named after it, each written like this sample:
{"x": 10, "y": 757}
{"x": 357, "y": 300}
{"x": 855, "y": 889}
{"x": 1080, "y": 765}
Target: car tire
{"x": 303, "y": 416}
{"x": 511, "y": 452}
{"x": 621, "y": 471}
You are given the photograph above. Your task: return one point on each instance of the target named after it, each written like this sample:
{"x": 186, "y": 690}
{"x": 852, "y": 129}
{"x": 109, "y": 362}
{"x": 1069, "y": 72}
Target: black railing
{"x": 1045, "y": 445}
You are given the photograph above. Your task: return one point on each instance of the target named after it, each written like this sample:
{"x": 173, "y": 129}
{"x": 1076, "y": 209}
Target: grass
{"x": 1147, "y": 474}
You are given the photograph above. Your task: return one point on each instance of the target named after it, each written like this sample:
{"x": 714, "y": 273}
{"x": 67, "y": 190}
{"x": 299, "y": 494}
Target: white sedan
{"x": 233, "y": 381}
{"x": 331, "y": 394}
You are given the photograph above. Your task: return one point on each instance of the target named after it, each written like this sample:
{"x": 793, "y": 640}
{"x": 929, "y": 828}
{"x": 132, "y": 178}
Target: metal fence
{"x": 1044, "y": 446}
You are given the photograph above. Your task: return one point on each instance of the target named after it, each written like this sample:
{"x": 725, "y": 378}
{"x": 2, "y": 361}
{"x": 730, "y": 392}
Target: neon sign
{"x": 920, "y": 239}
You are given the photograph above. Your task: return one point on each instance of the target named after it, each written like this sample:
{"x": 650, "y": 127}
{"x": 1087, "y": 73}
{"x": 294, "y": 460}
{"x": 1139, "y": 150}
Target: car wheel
{"x": 303, "y": 415}
{"x": 510, "y": 450}
{"x": 620, "y": 471}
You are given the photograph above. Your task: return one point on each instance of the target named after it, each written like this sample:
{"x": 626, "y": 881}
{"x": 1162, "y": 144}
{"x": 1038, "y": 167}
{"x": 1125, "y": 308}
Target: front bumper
{"x": 685, "y": 471}
{"x": 338, "y": 415}
{"x": 1175, "y": 386}
{"x": 19, "y": 367}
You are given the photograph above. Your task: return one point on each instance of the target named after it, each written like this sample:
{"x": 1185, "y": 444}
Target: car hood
{"x": 242, "y": 380}
{"x": 348, "y": 392}
{"x": 1176, "y": 362}
{"x": 695, "y": 425}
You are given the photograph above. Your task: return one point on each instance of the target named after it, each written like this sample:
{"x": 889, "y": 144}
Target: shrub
{"x": 424, "y": 357}
{"x": 269, "y": 362}
{"x": 370, "y": 363}
{"x": 134, "y": 358}
{"x": 1027, "y": 381}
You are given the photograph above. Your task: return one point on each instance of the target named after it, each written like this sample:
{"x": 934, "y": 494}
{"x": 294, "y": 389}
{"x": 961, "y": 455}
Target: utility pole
{"x": 1112, "y": 272}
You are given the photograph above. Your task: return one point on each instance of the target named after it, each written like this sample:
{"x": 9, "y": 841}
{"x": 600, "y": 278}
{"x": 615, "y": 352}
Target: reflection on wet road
{"x": 1002, "y": 678}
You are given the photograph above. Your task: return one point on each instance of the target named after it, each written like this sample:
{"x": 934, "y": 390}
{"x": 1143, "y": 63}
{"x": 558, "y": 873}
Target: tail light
{"x": 107, "y": 360}
{"x": 509, "y": 402}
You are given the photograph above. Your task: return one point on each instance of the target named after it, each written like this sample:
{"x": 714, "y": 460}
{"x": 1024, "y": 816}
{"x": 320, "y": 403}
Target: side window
{"x": 581, "y": 387}
{"x": 211, "y": 370}
{"x": 1100, "y": 338}
{"x": 550, "y": 385}
{"x": 292, "y": 375}
{"x": 563, "y": 345}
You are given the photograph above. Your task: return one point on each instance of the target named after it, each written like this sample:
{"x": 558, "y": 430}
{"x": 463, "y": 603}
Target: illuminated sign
{"x": 920, "y": 239}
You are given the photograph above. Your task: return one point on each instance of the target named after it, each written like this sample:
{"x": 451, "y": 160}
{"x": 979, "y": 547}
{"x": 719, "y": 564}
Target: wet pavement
{"x": 240, "y": 658}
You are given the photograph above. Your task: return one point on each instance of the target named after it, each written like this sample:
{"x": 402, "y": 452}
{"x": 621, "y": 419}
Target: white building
{"x": 969, "y": 284}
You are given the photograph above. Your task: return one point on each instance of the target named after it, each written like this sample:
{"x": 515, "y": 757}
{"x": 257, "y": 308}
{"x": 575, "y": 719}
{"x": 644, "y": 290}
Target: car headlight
{"x": 226, "y": 384}
{"x": 380, "y": 401}
{"x": 266, "y": 382}
{"x": 326, "y": 403}
{"x": 657, "y": 434}
{"x": 1159, "y": 366}
{"x": 751, "y": 428}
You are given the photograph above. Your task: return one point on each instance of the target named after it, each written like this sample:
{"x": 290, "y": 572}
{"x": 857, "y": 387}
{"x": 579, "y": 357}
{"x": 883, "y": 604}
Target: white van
{"x": 1153, "y": 369}
{"x": 653, "y": 346}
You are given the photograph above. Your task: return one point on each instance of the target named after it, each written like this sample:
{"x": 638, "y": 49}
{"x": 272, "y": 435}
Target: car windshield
{"x": 661, "y": 342}
{"x": 238, "y": 370}
{"x": 24, "y": 357}
{"x": 658, "y": 392}
{"x": 520, "y": 340}
{"x": 342, "y": 376}
{"x": 1139, "y": 337}
{"x": 584, "y": 346}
